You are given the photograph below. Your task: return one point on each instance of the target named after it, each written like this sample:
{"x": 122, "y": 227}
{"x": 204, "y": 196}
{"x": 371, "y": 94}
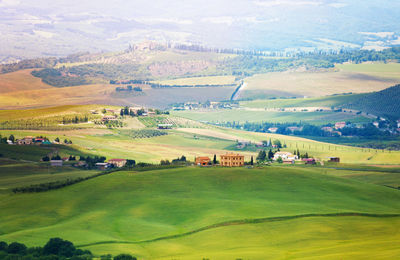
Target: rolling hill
{"x": 383, "y": 103}
{"x": 174, "y": 213}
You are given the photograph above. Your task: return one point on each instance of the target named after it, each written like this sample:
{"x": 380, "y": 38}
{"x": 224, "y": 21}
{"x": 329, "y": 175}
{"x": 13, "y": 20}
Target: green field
{"x": 325, "y": 101}
{"x": 242, "y": 115}
{"x": 234, "y": 213}
{"x": 16, "y": 174}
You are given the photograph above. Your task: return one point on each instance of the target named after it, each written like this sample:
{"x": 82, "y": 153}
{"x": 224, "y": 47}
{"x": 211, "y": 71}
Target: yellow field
{"x": 355, "y": 78}
{"x": 212, "y": 80}
{"x": 20, "y": 81}
{"x": 87, "y": 94}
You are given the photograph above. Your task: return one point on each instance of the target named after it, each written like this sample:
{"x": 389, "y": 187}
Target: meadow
{"x": 249, "y": 115}
{"x": 344, "y": 78}
{"x": 216, "y": 213}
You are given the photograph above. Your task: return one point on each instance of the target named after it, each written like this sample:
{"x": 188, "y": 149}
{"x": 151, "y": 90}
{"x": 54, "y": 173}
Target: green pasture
{"x": 21, "y": 174}
{"x": 325, "y": 101}
{"x": 239, "y": 115}
{"x": 119, "y": 212}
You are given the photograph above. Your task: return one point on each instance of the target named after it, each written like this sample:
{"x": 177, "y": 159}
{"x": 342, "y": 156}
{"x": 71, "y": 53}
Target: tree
{"x": 270, "y": 154}
{"x": 261, "y": 156}
{"x": 278, "y": 143}
{"x": 130, "y": 163}
{"x": 57, "y": 157}
{"x": 16, "y": 248}
{"x": 251, "y": 161}
{"x": 104, "y": 111}
{"x": 3, "y": 246}
{"x": 57, "y": 140}
{"x": 121, "y": 112}
{"x": 124, "y": 257}
{"x": 46, "y": 159}
{"x": 65, "y": 141}
{"x": 279, "y": 160}
{"x": 11, "y": 138}
{"x": 126, "y": 110}
{"x": 215, "y": 159}
{"x": 60, "y": 247}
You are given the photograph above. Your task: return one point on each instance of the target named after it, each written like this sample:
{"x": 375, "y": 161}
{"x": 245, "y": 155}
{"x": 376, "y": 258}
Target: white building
{"x": 285, "y": 156}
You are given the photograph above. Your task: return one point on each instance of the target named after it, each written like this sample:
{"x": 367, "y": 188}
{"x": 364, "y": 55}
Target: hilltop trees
{"x": 55, "y": 248}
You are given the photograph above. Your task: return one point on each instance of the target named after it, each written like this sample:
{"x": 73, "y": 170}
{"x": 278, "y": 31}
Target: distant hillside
{"x": 381, "y": 103}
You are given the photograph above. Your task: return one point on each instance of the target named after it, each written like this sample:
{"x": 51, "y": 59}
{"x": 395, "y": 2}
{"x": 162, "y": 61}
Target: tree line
{"x": 54, "y": 249}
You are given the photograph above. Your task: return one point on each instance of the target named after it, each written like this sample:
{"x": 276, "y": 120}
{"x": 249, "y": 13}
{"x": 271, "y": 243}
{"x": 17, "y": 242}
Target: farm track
{"x": 245, "y": 222}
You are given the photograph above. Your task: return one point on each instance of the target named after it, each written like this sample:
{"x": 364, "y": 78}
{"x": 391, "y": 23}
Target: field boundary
{"x": 245, "y": 222}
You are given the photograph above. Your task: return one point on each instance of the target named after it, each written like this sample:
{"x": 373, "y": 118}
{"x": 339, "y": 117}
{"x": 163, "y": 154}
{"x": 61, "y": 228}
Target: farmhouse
{"x": 117, "y": 162}
{"x": 56, "y": 162}
{"x": 309, "y": 160}
{"x": 28, "y": 140}
{"x": 285, "y": 156}
{"x": 340, "y": 125}
{"x": 102, "y": 166}
{"x": 273, "y": 129}
{"x": 202, "y": 161}
{"x": 109, "y": 118}
{"x": 232, "y": 160}
{"x": 334, "y": 159}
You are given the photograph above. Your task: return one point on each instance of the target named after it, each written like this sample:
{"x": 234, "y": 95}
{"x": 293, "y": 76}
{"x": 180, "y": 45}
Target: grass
{"x": 355, "y": 78}
{"x": 19, "y": 174}
{"x": 242, "y": 115}
{"x": 152, "y": 204}
{"x": 325, "y": 101}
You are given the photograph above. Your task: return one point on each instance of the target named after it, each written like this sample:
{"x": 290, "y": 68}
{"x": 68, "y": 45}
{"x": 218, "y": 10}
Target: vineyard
{"x": 154, "y": 121}
{"x": 383, "y": 103}
{"x": 62, "y": 122}
{"x": 145, "y": 133}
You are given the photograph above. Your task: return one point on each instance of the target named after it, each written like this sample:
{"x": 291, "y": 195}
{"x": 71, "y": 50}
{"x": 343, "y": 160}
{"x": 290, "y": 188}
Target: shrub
{"x": 124, "y": 257}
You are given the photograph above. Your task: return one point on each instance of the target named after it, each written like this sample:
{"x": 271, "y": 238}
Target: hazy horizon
{"x": 57, "y": 28}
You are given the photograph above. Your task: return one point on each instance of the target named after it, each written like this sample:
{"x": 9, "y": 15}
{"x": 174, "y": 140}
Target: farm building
{"x": 340, "y": 125}
{"x": 285, "y": 156}
{"x": 309, "y": 160}
{"x": 232, "y": 160}
{"x": 273, "y": 129}
{"x": 164, "y": 126}
{"x": 28, "y": 140}
{"x": 288, "y": 161}
{"x": 102, "y": 166}
{"x": 56, "y": 162}
{"x": 109, "y": 118}
{"x": 202, "y": 161}
{"x": 334, "y": 159}
{"x": 117, "y": 162}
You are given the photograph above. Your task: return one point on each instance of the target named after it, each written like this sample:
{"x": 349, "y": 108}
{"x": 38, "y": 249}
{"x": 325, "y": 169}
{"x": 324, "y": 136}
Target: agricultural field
{"x": 15, "y": 174}
{"x": 21, "y": 80}
{"x": 324, "y": 101}
{"x": 219, "y": 213}
{"x": 249, "y": 115}
{"x": 345, "y": 78}
{"x": 211, "y": 80}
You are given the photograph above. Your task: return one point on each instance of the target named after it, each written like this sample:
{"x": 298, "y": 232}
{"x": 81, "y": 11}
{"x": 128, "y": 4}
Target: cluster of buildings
{"x": 30, "y": 140}
{"x": 206, "y": 105}
{"x": 226, "y": 160}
